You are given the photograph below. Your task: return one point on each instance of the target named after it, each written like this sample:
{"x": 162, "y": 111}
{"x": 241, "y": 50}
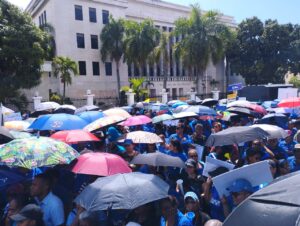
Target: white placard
{"x": 211, "y": 164}
{"x": 257, "y": 174}
{"x": 199, "y": 150}
{"x": 12, "y": 117}
{"x": 285, "y": 93}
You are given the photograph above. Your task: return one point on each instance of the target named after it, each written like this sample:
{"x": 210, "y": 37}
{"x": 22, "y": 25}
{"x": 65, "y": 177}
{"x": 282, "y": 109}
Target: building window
{"x": 180, "y": 92}
{"x": 157, "y": 70}
{"x": 94, "y": 41}
{"x": 45, "y": 17}
{"x": 42, "y": 16}
{"x": 78, "y": 12}
{"x": 82, "y": 67}
{"x": 108, "y": 69}
{"x": 151, "y": 71}
{"x": 93, "y": 15}
{"x": 152, "y": 92}
{"x": 105, "y": 16}
{"x": 164, "y": 29}
{"x": 96, "y": 69}
{"x": 170, "y": 29}
{"x": 171, "y": 70}
{"x": 80, "y": 40}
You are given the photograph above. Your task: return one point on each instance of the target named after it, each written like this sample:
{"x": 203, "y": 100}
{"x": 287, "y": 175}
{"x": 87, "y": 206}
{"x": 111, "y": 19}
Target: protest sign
{"x": 12, "y": 117}
{"x": 257, "y": 174}
{"x": 211, "y": 164}
{"x": 199, "y": 150}
{"x": 285, "y": 93}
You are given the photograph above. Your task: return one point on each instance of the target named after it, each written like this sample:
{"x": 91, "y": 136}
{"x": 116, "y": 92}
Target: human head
{"x": 191, "y": 166}
{"x": 113, "y": 134}
{"x": 175, "y": 145}
{"x": 191, "y": 202}
{"x": 41, "y": 185}
{"x": 128, "y": 144}
{"x": 16, "y": 203}
{"x": 30, "y": 215}
{"x": 273, "y": 142}
{"x": 180, "y": 128}
{"x": 240, "y": 189}
{"x": 217, "y": 127}
{"x": 192, "y": 154}
{"x": 168, "y": 205}
{"x": 199, "y": 128}
{"x": 253, "y": 155}
{"x": 289, "y": 138}
{"x": 283, "y": 167}
{"x": 297, "y": 152}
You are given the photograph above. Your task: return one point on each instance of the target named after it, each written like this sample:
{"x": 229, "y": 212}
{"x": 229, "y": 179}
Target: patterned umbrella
{"x": 17, "y": 125}
{"x": 142, "y": 137}
{"x": 117, "y": 112}
{"x": 162, "y": 118}
{"x": 36, "y": 152}
{"x": 137, "y": 120}
{"x": 102, "y": 122}
{"x": 20, "y": 135}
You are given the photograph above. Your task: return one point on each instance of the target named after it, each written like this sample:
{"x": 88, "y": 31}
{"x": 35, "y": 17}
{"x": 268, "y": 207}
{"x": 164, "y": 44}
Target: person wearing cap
{"x": 294, "y": 161}
{"x": 192, "y": 154}
{"x": 51, "y": 205}
{"x": 184, "y": 139}
{"x": 111, "y": 142}
{"x": 192, "y": 204}
{"x": 30, "y": 215}
{"x": 129, "y": 153}
{"x": 198, "y": 137}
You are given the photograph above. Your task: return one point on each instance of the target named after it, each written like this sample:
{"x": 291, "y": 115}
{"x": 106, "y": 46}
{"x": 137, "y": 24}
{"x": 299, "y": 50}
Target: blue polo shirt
{"x": 182, "y": 220}
{"x": 185, "y": 141}
{"x": 53, "y": 210}
{"x": 293, "y": 165}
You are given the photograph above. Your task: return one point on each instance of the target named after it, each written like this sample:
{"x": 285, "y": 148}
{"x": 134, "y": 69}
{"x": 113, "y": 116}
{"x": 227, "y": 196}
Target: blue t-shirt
{"x": 287, "y": 147}
{"x": 293, "y": 165}
{"x": 279, "y": 152}
{"x": 182, "y": 220}
{"x": 180, "y": 155}
{"x": 185, "y": 141}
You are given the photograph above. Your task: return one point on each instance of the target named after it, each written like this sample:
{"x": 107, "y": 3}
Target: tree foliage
{"x": 139, "y": 86}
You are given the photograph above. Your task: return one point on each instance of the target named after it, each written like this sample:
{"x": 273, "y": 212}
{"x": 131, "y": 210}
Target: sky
{"x": 284, "y": 11}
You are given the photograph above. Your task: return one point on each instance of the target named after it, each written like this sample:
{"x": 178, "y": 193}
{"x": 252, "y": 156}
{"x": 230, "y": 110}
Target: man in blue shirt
{"x": 278, "y": 151}
{"x": 181, "y": 137}
{"x": 294, "y": 161}
{"x": 50, "y": 204}
{"x": 288, "y": 144}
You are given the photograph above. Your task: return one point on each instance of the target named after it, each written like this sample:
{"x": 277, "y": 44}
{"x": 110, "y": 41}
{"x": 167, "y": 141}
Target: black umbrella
{"x": 5, "y": 135}
{"x": 68, "y": 109}
{"x": 276, "y": 205}
{"x": 242, "y": 111}
{"x": 236, "y": 135}
{"x": 36, "y": 114}
{"x": 209, "y": 102}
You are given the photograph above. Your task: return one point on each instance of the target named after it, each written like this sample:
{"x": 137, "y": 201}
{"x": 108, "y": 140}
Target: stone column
{"x": 192, "y": 94}
{"x": 130, "y": 97}
{"x": 36, "y": 100}
{"x": 89, "y": 98}
{"x": 164, "y": 96}
{"x": 216, "y": 94}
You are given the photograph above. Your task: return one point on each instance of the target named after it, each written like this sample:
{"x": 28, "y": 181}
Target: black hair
{"x": 46, "y": 178}
{"x": 176, "y": 143}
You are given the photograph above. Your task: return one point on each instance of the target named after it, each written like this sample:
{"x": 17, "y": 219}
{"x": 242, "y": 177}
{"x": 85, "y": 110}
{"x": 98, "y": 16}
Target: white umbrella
{"x": 142, "y": 137}
{"x": 184, "y": 115}
{"x": 47, "y": 106}
{"x": 239, "y": 103}
{"x": 275, "y": 131}
{"x": 180, "y": 108}
{"x": 6, "y": 110}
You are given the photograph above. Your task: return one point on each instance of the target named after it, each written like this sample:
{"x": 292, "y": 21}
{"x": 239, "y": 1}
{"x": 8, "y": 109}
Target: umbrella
{"x": 290, "y": 102}
{"x": 275, "y": 205}
{"x": 17, "y": 125}
{"x": 242, "y": 111}
{"x": 122, "y": 191}
{"x": 20, "y": 135}
{"x": 47, "y": 106}
{"x": 180, "y": 108}
{"x": 179, "y": 103}
{"x": 269, "y": 104}
{"x": 36, "y": 152}
{"x": 184, "y": 115}
{"x": 158, "y": 107}
{"x": 257, "y": 108}
{"x": 274, "y": 119}
{"x": 200, "y": 110}
{"x": 117, "y": 112}
{"x": 209, "y": 102}
{"x": 6, "y": 110}
{"x": 103, "y": 122}
{"x": 136, "y": 120}
{"x": 68, "y": 109}
{"x": 239, "y": 103}
{"x": 74, "y": 136}
{"x": 36, "y": 114}
{"x": 193, "y": 102}
{"x": 91, "y": 116}
{"x": 236, "y": 135}
{"x": 58, "y": 122}
{"x": 171, "y": 102}
{"x": 227, "y": 116}
{"x": 100, "y": 164}
{"x": 275, "y": 132}
{"x": 162, "y": 118}
{"x": 142, "y": 137}
{"x": 158, "y": 159}
{"x": 5, "y": 135}
{"x": 127, "y": 108}
{"x": 86, "y": 108}
{"x": 9, "y": 178}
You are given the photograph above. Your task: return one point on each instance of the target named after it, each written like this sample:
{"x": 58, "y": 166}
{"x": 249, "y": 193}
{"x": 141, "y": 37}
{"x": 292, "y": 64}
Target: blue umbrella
{"x": 201, "y": 110}
{"x": 91, "y": 116}
{"x": 58, "y": 122}
{"x": 179, "y": 103}
{"x": 280, "y": 120}
{"x": 9, "y": 178}
{"x": 269, "y": 104}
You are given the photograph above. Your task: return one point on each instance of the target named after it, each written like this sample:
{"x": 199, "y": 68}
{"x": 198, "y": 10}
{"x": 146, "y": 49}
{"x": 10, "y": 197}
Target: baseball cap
{"x": 191, "y": 163}
{"x": 191, "y": 195}
{"x": 240, "y": 185}
{"x": 31, "y": 211}
{"x": 128, "y": 142}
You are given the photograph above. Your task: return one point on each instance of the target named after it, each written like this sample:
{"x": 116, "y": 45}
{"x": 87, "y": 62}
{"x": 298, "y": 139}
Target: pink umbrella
{"x": 100, "y": 164}
{"x": 258, "y": 109}
{"x": 137, "y": 120}
{"x": 74, "y": 136}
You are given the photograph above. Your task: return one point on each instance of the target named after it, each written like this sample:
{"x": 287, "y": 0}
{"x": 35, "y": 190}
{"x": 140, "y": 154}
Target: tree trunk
{"x": 118, "y": 79}
{"x": 64, "y": 93}
{"x": 165, "y": 76}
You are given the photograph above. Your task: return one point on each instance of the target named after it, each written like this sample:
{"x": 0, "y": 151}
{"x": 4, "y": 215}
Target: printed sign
{"x": 235, "y": 87}
{"x": 212, "y": 164}
{"x": 12, "y": 117}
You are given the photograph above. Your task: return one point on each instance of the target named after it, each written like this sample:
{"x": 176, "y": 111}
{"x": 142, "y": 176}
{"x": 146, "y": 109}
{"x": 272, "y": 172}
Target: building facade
{"x": 77, "y": 26}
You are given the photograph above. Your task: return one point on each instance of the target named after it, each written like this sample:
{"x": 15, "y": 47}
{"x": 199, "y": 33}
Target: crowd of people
{"x": 46, "y": 197}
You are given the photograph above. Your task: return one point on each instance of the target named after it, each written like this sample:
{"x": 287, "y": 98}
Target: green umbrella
{"x": 36, "y": 152}
{"x": 162, "y": 118}
{"x": 20, "y": 135}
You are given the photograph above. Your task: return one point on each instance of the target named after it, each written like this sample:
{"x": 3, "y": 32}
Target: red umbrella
{"x": 100, "y": 164}
{"x": 74, "y": 136}
{"x": 137, "y": 120}
{"x": 290, "y": 102}
{"x": 257, "y": 108}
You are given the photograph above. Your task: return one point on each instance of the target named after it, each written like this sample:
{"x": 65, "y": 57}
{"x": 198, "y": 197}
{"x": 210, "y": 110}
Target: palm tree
{"x": 50, "y": 44}
{"x": 137, "y": 87}
{"x": 203, "y": 40}
{"x": 161, "y": 52}
{"x": 112, "y": 44}
{"x": 65, "y": 67}
{"x": 140, "y": 40}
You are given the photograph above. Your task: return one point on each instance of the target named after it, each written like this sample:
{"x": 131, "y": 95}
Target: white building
{"x": 78, "y": 24}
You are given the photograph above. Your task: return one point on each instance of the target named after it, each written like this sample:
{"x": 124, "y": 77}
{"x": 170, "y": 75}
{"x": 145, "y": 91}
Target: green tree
{"x": 112, "y": 46}
{"x": 161, "y": 51}
{"x": 64, "y": 67}
{"x": 140, "y": 40}
{"x": 295, "y": 81}
{"x": 203, "y": 40}
{"x": 21, "y": 52}
{"x": 139, "y": 86}
{"x": 50, "y": 45}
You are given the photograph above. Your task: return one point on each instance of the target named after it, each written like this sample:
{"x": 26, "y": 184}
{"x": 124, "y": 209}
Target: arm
{"x": 206, "y": 190}
{"x": 225, "y": 205}
{"x": 269, "y": 151}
